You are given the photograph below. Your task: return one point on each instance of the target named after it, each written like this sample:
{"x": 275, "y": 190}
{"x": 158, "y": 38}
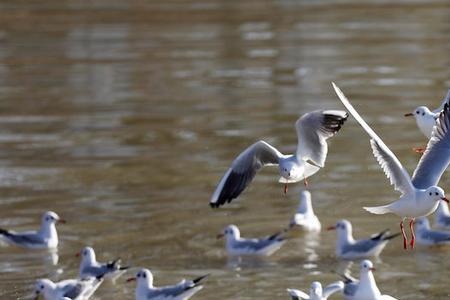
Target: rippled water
{"x": 123, "y": 115}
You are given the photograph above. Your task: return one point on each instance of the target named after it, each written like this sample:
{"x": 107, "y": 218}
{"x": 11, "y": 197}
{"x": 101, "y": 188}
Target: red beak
{"x": 409, "y": 115}
{"x": 372, "y": 269}
{"x": 220, "y": 235}
{"x": 131, "y": 279}
{"x": 61, "y": 221}
{"x": 445, "y": 199}
{"x": 331, "y": 227}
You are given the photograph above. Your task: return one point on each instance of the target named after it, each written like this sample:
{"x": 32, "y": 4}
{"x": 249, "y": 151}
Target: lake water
{"x": 122, "y": 116}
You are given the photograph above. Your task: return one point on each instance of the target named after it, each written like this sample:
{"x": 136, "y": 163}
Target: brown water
{"x": 123, "y": 115}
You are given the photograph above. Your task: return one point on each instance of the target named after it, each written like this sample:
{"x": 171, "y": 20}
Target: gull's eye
{"x": 138, "y": 275}
{"x": 417, "y": 112}
{"x": 431, "y": 193}
{"x": 144, "y": 276}
{"x": 42, "y": 287}
{"x": 437, "y": 194}
{"x": 423, "y": 114}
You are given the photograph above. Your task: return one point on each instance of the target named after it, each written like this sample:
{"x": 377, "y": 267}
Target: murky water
{"x": 123, "y": 115}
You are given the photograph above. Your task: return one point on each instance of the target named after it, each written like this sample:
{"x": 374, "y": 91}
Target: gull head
{"x": 435, "y": 193}
{"x": 419, "y": 113}
{"x": 422, "y": 223}
{"x": 42, "y": 286}
{"x": 230, "y": 232}
{"x": 316, "y": 289}
{"x": 51, "y": 217}
{"x": 366, "y": 266}
{"x": 342, "y": 227}
{"x": 87, "y": 255}
{"x": 291, "y": 170}
{"x": 144, "y": 279}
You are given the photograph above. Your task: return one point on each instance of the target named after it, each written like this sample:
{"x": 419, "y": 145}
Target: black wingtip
{"x": 124, "y": 268}
{"x": 4, "y": 231}
{"x": 214, "y": 205}
{"x": 390, "y": 237}
{"x": 198, "y": 279}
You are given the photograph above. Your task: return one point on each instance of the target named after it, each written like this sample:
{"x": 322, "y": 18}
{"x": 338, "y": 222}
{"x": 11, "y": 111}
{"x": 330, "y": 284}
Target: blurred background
{"x": 122, "y": 116}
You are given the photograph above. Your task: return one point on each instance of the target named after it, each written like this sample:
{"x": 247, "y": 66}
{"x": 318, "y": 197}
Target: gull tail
{"x": 378, "y": 210}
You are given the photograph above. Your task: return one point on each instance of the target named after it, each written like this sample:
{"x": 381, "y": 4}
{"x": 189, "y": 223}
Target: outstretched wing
{"x": 436, "y": 157}
{"x": 332, "y": 288}
{"x": 243, "y": 170}
{"x": 445, "y": 100}
{"x": 313, "y": 129}
{"x": 385, "y": 157}
{"x": 297, "y": 294}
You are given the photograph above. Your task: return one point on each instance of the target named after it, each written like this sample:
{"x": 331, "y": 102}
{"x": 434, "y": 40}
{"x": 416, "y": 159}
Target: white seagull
{"x": 425, "y": 118}
{"x": 73, "y": 289}
{"x": 348, "y": 248}
{"x": 305, "y": 218}
{"x": 428, "y": 237}
{"x": 181, "y": 291}
{"x": 45, "y": 238}
{"x": 442, "y": 216}
{"x": 313, "y": 130}
{"x": 316, "y": 292}
{"x": 365, "y": 288}
{"x": 237, "y": 246}
{"x": 90, "y": 267}
{"x": 420, "y": 195}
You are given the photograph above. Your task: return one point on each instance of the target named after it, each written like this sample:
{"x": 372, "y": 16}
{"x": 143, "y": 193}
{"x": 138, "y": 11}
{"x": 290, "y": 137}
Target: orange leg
{"x": 285, "y": 190}
{"x": 305, "y": 181}
{"x": 419, "y": 150}
{"x": 413, "y": 236}
{"x": 405, "y": 239}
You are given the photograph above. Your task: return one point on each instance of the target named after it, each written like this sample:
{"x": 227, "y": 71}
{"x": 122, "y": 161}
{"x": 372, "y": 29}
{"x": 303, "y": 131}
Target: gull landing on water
{"x": 45, "y": 238}
{"x": 145, "y": 290}
{"x": 316, "y": 292}
{"x": 420, "y": 195}
{"x": 313, "y": 130}
{"x": 426, "y": 119}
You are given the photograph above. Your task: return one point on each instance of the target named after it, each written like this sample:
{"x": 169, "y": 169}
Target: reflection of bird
{"x": 442, "y": 216}
{"x": 305, "y": 218}
{"x": 316, "y": 292}
{"x": 428, "y": 237}
{"x": 75, "y": 289}
{"x": 45, "y": 238}
{"x": 240, "y": 246}
{"x": 145, "y": 290}
{"x": 313, "y": 130}
{"x": 90, "y": 267}
{"x": 420, "y": 196}
{"x": 348, "y": 248}
{"x": 365, "y": 288}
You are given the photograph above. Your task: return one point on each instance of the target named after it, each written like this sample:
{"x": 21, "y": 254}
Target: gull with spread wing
{"x": 313, "y": 130}
{"x": 420, "y": 195}
{"x": 316, "y": 292}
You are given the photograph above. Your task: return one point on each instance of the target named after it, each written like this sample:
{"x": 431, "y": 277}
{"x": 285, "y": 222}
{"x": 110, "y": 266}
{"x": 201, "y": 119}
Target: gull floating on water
{"x": 442, "y": 216}
{"x": 181, "y": 291}
{"x": 73, "y": 289}
{"x": 365, "y": 288}
{"x": 420, "y": 195}
{"x": 236, "y": 245}
{"x": 313, "y": 130}
{"x": 348, "y": 248}
{"x": 305, "y": 218}
{"x": 425, "y": 118}
{"x": 45, "y": 238}
{"x": 428, "y": 237}
{"x": 316, "y": 292}
{"x": 90, "y": 267}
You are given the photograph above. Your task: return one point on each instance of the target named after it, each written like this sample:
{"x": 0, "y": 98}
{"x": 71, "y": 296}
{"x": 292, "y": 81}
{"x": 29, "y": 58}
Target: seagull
{"x": 316, "y": 292}
{"x": 73, "y": 289}
{"x": 442, "y": 216}
{"x": 313, "y": 130}
{"x": 428, "y": 237}
{"x": 145, "y": 290}
{"x": 45, "y": 238}
{"x": 348, "y": 248}
{"x": 420, "y": 195}
{"x": 425, "y": 118}
{"x": 365, "y": 288}
{"x": 305, "y": 218}
{"x": 89, "y": 266}
{"x": 237, "y": 246}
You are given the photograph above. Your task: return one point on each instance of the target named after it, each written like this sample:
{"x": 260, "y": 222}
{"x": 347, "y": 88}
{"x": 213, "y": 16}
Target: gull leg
{"x": 413, "y": 236}
{"x": 305, "y": 181}
{"x": 285, "y": 188}
{"x": 405, "y": 239}
{"x": 419, "y": 150}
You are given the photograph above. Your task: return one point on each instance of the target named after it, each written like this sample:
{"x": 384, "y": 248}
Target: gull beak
{"x": 331, "y": 228}
{"x": 77, "y": 254}
{"x": 372, "y": 269}
{"x": 61, "y": 221}
{"x": 445, "y": 199}
{"x": 220, "y": 235}
{"x": 409, "y": 115}
{"x": 131, "y": 279}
